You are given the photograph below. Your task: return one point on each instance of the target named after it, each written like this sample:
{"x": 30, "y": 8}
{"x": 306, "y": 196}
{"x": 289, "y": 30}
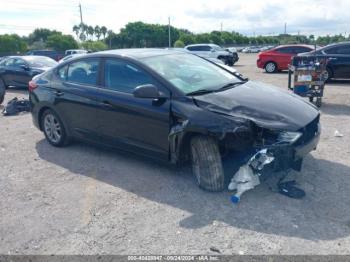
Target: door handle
{"x": 333, "y": 58}
{"x": 59, "y": 93}
{"x": 107, "y": 104}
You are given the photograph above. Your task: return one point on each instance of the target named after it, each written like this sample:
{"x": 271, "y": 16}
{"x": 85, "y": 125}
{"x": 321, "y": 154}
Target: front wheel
{"x": 271, "y": 67}
{"x": 53, "y": 128}
{"x": 206, "y": 163}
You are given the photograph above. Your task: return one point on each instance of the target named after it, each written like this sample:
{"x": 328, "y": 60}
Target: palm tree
{"x": 110, "y": 34}
{"x": 76, "y": 30}
{"x": 90, "y": 31}
{"x": 83, "y": 31}
{"x": 104, "y": 31}
{"x": 97, "y": 32}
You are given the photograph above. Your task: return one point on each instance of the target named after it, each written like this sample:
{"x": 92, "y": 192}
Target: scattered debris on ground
{"x": 15, "y": 106}
{"x": 247, "y": 176}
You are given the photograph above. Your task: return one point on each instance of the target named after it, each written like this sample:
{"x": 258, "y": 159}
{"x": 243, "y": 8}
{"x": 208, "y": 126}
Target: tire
{"x": 2, "y": 91}
{"x": 329, "y": 74}
{"x": 53, "y": 129}
{"x": 270, "y": 67}
{"x": 206, "y": 164}
{"x": 318, "y": 102}
{"x": 223, "y": 59}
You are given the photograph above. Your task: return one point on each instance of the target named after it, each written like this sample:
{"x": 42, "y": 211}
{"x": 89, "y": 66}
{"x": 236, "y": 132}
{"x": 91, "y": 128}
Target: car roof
{"x": 296, "y": 45}
{"x": 336, "y": 44}
{"x": 201, "y": 45}
{"x": 27, "y": 57}
{"x": 138, "y": 53}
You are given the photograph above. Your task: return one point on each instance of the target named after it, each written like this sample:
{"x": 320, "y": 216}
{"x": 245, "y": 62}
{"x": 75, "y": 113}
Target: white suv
{"x": 213, "y": 51}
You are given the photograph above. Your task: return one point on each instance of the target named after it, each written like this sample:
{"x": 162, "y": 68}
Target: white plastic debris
{"x": 338, "y": 134}
{"x": 247, "y": 176}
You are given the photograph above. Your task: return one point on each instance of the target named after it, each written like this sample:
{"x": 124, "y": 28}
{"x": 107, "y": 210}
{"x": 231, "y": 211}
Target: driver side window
{"x": 124, "y": 77}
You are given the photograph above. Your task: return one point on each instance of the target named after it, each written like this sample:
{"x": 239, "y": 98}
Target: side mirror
{"x": 146, "y": 91}
{"x": 212, "y": 50}
{"x": 25, "y": 67}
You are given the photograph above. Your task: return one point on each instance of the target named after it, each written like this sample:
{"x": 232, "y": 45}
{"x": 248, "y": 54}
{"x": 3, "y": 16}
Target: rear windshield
{"x": 37, "y": 61}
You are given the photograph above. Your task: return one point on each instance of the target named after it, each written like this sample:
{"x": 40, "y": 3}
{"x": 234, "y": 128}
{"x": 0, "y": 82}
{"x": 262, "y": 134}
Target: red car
{"x": 279, "y": 58}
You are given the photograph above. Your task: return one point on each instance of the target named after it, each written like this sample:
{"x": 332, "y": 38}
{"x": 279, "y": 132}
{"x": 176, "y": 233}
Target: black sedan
{"x": 338, "y": 57}
{"x": 174, "y": 106}
{"x": 19, "y": 70}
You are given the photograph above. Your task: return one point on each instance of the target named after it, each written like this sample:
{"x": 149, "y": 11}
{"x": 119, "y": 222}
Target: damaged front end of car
{"x": 252, "y": 138}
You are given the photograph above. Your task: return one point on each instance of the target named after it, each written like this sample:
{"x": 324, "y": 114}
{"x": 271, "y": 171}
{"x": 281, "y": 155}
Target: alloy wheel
{"x": 270, "y": 67}
{"x": 52, "y": 128}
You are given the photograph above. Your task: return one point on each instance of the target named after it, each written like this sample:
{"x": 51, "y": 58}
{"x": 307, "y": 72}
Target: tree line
{"x": 139, "y": 34}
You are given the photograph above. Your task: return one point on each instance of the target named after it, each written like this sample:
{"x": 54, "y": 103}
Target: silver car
{"x": 212, "y": 51}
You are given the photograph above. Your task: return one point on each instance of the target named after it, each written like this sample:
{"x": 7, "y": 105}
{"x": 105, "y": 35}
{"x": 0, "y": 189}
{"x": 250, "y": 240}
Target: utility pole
{"x": 81, "y": 14}
{"x": 169, "y": 33}
{"x": 285, "y": 28}
{"x": 221, "y": 28}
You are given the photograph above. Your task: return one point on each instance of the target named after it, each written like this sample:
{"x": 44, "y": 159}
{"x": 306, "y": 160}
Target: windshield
{"x": 190, "y": 73}
{"x": 39, "y": 61}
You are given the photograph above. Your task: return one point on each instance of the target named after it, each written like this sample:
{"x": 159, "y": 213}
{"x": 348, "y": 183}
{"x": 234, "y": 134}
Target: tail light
{"x": 31, "y": 86}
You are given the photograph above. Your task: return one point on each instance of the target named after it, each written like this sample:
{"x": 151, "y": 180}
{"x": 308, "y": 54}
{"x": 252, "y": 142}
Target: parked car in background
{"x": 19, "y": 70}
{"x": 55, "y": 55}
{"x": 213, "y": 51}
{"x": 251, "y": 49}
{"x": 172, "y": 105}
{"x": 234, "y": 51}
{"x": 75, "y": 51}
{"x": 278, "y": 58}
{"x": 338, "y": 57}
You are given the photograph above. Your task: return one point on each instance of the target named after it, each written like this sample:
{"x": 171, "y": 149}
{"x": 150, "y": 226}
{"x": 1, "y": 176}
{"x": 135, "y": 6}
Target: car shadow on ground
{"x": 335, "y": 109}
{"x": 338, "y": 82}
{"x": 322, "y": 215}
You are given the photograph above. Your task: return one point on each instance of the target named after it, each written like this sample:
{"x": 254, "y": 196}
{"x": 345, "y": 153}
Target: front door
{"x": 16, "y": 72}
{"x": 126, "y": 121}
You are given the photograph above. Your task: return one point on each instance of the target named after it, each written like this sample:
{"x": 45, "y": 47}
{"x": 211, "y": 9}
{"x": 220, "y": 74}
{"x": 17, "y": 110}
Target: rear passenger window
{"x": 124, "y": 77}
{"x": 344, "y": 50}
{"x": 206, "y": 48}
{"x": 285, "y": 50}
{"x": 83, "y": 71}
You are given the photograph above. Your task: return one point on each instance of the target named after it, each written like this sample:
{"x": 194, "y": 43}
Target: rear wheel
{"x": 2, "y": 91}
{"x": 328, "y": 75}
{"x": 206, "y": 163}
{"x": 271, "y": 67}
{"x": 53, "y": 128}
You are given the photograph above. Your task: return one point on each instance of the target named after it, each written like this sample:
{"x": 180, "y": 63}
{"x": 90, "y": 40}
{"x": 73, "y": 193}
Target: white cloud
{"x": 262, "y": 17}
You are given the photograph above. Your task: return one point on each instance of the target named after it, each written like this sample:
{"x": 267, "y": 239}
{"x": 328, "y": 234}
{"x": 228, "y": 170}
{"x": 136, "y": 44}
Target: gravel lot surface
{"x": 87, "y": 200}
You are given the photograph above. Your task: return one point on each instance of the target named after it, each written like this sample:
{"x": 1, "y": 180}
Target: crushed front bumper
{"x": 291, "y": 156}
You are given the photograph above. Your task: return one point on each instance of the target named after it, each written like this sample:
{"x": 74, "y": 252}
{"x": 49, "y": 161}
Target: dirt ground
{"x": 87, "y": 200}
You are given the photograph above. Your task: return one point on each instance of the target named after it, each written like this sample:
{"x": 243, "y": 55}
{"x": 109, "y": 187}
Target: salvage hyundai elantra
{"x": 175, "y": 106}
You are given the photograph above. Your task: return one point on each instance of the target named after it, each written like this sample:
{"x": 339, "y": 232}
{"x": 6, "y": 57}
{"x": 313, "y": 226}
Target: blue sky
{"x": 319, "y": 17}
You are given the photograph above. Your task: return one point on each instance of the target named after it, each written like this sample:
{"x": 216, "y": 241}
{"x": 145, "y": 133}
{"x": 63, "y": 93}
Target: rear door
{"x": 201, "y": 50}
{"x": 75, "y": 88}
{"x": 126, "y": 121}
{"x": 283, "y": 57}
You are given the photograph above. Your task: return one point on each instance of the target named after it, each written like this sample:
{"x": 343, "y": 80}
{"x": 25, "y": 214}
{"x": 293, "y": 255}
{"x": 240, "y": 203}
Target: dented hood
{"x": 266, "y": 105}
